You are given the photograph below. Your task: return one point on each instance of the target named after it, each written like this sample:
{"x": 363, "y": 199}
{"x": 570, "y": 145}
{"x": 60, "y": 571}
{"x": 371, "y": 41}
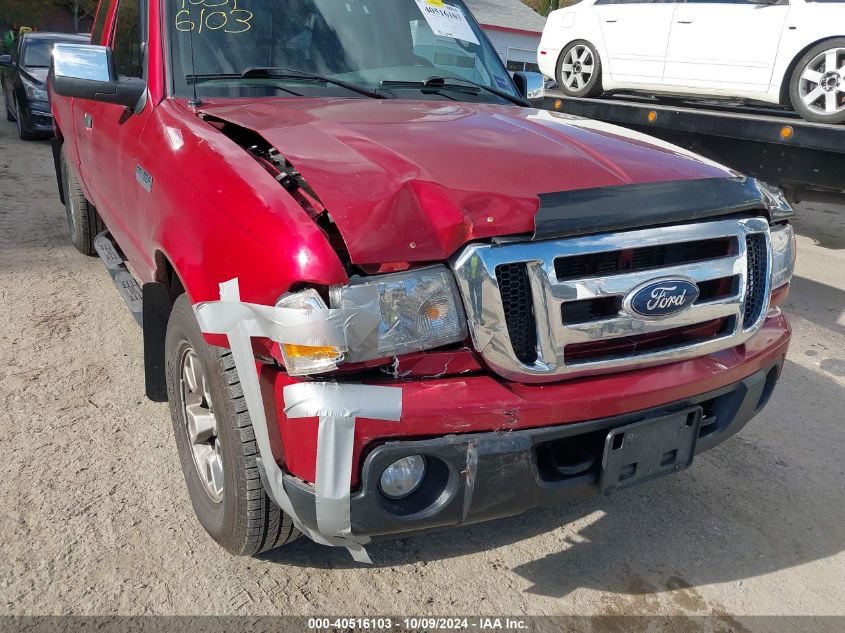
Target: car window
{"x": 100, "y": 22}
{"x": 127, "y": 39}
{"x": 36, "y": 53}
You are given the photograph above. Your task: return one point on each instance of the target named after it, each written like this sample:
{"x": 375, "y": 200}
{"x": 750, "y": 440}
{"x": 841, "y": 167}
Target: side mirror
{"x": 83, "y": 71}
{"x": 532, "y": 86}
{"x": 6, "y": 61}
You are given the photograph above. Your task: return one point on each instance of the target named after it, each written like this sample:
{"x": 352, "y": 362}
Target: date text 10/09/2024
{"x": 418, "y": 623}
{"x": 213, "y": 15}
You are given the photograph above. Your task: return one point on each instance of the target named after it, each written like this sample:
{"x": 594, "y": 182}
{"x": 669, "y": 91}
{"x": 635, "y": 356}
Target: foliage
{"x": 33, "y": 12}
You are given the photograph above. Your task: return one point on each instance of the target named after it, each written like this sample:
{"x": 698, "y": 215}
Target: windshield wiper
{"x": 302, "y": 74}
{"x": 284, "y": 73}
{"x": 438, "y": 83}
{"x": 213, "y": 76}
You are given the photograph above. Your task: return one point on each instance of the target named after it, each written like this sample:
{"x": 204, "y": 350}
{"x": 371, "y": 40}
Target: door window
{"x": 128, "y": 39}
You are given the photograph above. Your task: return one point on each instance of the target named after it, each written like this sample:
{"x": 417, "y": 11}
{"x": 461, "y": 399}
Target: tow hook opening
{"x": 566, "y": 458}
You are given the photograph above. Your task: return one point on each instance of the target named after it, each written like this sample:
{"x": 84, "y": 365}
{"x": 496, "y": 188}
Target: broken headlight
{"x": 412, "y": 311}
{"x": 301, "y": 360}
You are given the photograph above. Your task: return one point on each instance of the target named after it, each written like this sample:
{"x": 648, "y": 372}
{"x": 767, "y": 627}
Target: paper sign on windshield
{"x": 446, "y": 20}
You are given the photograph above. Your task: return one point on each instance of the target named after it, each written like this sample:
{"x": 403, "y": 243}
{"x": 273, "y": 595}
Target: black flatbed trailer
{"x": 807, "y": 160}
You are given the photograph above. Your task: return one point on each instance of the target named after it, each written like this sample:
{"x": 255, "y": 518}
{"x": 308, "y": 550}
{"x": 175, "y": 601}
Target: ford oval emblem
{"x": 661, "y": 298}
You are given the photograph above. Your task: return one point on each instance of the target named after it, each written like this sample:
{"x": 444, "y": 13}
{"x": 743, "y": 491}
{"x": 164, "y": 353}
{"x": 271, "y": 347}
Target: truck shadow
{"x": 768, "y": 499}
{"x": 816, "y": 302}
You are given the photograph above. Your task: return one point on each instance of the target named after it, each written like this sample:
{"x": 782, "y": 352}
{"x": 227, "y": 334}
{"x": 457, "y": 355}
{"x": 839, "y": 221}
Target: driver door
{"x": 107, "y": 135}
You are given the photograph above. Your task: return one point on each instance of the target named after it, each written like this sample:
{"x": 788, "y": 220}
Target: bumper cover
{"x": 37, "y": 117}
{"x": 481, "y": 476}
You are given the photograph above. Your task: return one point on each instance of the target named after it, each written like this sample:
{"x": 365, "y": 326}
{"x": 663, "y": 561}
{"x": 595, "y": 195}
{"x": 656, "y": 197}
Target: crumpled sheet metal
{"x": 335, "y": 404}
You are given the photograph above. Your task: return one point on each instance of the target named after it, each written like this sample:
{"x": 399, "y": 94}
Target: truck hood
{"x": 415, "y": 180}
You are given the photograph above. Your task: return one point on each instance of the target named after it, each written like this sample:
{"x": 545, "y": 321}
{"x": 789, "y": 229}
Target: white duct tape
{"x": 335, "y": 404}
{"x": 331, "y": 399}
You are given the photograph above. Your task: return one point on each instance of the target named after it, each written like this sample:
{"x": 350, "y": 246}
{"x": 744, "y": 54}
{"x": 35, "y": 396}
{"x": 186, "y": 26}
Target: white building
{"x": 513, "y": 28}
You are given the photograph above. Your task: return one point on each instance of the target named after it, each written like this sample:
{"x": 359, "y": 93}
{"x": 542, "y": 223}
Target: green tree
{"x": 547, "y": 6}
{"x": 33, "y": 12}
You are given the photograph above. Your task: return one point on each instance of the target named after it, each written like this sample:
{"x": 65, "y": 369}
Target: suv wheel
{"x": 216, "y": 442}
{"x": 817, "y": 85}
{"x": 84, "y": 224}
{"x": 578, "y": 72}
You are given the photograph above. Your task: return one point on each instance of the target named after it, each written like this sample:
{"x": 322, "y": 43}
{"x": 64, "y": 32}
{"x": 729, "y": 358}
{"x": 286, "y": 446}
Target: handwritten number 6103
{"x": 213, "y": 16}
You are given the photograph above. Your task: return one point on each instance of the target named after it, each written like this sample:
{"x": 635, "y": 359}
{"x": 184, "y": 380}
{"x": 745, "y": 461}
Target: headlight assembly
{"x": 783, "y": 254}
{"x": 413, "y": 310}
{"x": 34, "y": 91}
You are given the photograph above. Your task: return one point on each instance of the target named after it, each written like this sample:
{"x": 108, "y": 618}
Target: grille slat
{"x": 644, "y": 258}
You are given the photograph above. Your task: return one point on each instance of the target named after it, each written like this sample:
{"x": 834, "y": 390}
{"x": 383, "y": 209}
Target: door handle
{"x": 611, "y": 20}
{"x": 89, "y": 121}
{"x": 684, "y": 21}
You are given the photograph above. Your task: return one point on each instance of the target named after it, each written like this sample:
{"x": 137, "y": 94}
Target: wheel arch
{"x": 787, "y": 77}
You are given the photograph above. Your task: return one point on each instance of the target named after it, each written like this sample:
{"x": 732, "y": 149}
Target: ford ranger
{"x": 381, "y": 291}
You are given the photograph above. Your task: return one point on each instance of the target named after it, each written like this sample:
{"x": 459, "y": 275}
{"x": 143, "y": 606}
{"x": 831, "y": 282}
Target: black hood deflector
{"x": 623, "y": 207}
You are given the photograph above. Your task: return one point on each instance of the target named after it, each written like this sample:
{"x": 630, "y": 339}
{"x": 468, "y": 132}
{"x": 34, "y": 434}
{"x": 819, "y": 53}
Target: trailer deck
{"x": 807, "y": 160}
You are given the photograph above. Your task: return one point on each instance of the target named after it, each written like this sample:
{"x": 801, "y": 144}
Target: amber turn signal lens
{"x": 558, "y": 103}
{"x": 307, "y": 351}
{"x": 786, "y": 132}
{"x": 652, "y": 116}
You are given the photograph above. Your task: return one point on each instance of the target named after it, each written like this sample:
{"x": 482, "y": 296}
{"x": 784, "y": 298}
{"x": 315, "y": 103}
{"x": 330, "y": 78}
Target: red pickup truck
{"x": 384, "y": 293}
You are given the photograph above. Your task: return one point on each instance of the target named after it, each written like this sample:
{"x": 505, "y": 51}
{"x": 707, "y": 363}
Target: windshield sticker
{"x": 446, "y": 20}
{"x": 213, "y": 15}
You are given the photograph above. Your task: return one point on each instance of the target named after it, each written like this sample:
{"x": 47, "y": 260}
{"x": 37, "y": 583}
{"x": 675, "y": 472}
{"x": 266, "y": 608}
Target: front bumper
{"x": 482, "y": 476}
{"x": 37, "y": 117}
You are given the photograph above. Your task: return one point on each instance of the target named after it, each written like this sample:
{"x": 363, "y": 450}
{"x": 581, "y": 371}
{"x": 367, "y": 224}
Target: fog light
{"x": 402, "y": 477}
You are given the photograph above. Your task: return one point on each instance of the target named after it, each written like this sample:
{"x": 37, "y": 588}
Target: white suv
{"x": 775, "y": 51}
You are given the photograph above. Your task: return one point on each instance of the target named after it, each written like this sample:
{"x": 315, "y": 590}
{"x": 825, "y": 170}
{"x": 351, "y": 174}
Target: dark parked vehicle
{"x": 23, "y": 75}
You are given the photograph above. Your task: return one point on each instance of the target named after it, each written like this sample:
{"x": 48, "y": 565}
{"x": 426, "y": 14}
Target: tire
{"x": 815, "y": 65}
{"x": 84, "y": 224}
{"x": 233, "y": 507}
{"x": 23, "y": 133}
{"x": 577, "y": 82}
{"x": 9, "y": 116}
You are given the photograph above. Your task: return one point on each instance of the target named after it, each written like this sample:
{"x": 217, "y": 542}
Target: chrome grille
{"x": 539, "y": 311}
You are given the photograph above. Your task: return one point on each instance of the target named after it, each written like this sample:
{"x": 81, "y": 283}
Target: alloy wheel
{"x": 201, "y": 425}
{"x": 577, "y": 67}
{"x": 822, "y": 83}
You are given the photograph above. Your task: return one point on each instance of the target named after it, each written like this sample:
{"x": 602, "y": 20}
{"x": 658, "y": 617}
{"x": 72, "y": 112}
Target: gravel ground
{"x": 96, "y": 519}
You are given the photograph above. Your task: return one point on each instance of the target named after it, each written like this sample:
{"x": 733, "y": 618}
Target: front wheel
{"x": 578, "y": 72}
{"x": 216, "y": 442}
{"x": 83, "y": 222}
{"x": 23, "y": 133}
{"x": 9, "y": 116}
{"x": 817, "y": 85}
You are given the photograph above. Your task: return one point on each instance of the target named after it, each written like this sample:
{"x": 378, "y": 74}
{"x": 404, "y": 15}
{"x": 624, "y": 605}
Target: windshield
{"x": 36, "y": 53}
{"x": 360, "y": 42}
